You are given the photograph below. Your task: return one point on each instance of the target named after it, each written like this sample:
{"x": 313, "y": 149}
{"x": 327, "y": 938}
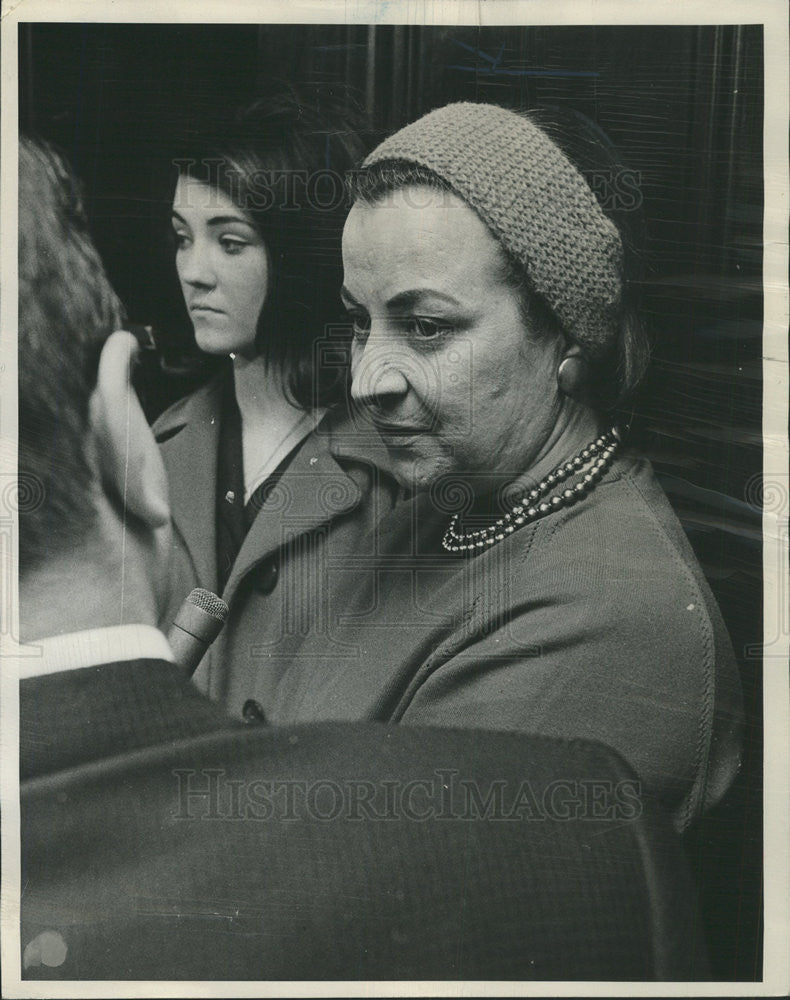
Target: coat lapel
{"x": 314, "y": 490}
{"x": 190, "y": 457}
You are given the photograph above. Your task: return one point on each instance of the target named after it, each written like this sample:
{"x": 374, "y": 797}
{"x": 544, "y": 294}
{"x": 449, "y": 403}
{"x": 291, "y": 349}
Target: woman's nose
{"x": 377, "y": 376}
{"x": 194, "y": 267}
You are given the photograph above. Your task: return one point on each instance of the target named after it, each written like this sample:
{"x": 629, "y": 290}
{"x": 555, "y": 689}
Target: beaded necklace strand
{"x": 530, "y": 508}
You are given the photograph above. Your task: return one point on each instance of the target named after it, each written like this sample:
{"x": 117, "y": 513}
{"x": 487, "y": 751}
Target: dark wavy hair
{"x": 615, "y": 376}
{"x": 67, "y": 309}
{"x": 282, "y": 160}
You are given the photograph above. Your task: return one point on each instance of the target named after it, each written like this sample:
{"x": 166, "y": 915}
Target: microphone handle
{"x": 188, "y": 650}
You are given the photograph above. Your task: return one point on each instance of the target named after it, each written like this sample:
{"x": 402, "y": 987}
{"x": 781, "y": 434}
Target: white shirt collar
{"x": 77, "y": 650}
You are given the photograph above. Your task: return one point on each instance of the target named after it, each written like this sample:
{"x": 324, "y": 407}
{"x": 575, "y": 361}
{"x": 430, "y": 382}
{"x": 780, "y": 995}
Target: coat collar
{"x": 314, "y": 490}
{"x": 189, "y": 437}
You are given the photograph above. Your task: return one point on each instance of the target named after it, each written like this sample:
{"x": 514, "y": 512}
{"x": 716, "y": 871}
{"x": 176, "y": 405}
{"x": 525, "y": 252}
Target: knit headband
{"x": 533, "y": 200}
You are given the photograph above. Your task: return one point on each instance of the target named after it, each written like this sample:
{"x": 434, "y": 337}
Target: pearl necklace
{"x": 529, "y": 509}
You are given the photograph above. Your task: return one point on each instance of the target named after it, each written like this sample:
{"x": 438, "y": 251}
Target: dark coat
{"x": 160, "y": 841}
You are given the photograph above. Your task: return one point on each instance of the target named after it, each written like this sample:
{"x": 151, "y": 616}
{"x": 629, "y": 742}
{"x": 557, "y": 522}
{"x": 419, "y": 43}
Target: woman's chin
{"x": 415, "y": 473}
{"x": 214, "y": 342}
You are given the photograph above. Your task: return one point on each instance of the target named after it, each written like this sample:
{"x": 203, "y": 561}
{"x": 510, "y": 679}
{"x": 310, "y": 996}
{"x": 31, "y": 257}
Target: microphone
{"x": 197, "y": 624}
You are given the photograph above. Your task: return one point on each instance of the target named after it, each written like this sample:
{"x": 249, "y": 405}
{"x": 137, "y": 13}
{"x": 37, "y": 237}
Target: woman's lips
{"x": 204, "y": 309}
{"x": 399, "y": 435}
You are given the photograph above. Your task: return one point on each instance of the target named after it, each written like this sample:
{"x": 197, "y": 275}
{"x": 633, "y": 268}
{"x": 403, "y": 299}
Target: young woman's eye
{"x": 426, "y": 329}
{"x": 180, "y": 239}
{"x": 232, "y": 246}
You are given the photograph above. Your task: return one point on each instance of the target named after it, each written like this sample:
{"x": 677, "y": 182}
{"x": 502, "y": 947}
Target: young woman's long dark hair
{"x": 282, "y": 160}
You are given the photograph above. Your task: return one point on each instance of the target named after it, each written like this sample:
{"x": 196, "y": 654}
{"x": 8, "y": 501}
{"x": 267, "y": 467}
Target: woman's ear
{"x": 574, "y": 375}
{"x": 129, "y": 464}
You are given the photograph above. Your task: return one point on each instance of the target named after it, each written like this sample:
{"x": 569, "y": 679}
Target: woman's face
{"x": 222, "y": 265}
{"x": 442, "y": 360}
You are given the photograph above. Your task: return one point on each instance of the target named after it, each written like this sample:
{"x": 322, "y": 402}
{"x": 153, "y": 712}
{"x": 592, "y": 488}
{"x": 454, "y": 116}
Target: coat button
{"x": 266, "y": 577}
{"x": 252, "y": 713}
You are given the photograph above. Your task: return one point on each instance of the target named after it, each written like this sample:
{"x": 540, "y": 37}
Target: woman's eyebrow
{"x": 408, "y": 299}
{"x": 215, "y": 220}
{"x": 223, "y": 220}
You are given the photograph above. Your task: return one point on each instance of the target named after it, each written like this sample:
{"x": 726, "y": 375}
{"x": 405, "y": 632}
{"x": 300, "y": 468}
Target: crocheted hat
{"x": 533, "y": 200}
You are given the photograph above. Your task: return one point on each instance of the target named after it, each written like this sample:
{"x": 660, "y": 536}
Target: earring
{"x": 573, "y": 375}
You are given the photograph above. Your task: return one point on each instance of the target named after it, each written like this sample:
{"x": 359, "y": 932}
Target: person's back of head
{"x": 67, "y": 309}
{"x": 94, "y": 534}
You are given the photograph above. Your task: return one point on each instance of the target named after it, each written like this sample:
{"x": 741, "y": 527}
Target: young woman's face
{"x": 222, "y": 265}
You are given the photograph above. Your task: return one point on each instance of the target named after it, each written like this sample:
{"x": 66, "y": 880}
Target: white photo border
{"x": 773, "y": 15}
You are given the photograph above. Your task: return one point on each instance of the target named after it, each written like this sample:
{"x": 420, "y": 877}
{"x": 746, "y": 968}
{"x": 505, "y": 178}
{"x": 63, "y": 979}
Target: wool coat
{"x": 595, "y": 621}
{"x": 332, "y": 495}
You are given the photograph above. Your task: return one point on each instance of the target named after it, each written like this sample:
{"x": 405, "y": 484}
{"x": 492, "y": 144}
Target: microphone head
{"x": 209, "y": 602}
{"x": 197, "y": 624}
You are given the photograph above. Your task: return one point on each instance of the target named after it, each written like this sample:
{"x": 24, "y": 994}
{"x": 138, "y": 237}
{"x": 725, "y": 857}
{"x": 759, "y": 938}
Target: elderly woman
{"x": 535, "y": 577}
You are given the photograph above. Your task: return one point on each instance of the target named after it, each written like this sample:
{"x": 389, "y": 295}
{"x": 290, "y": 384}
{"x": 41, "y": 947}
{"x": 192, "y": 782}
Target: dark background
{"x": 684, "y": 106}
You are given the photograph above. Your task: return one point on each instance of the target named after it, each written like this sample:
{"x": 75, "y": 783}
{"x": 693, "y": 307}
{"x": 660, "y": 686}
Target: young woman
{"x": 257, "y": 216}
